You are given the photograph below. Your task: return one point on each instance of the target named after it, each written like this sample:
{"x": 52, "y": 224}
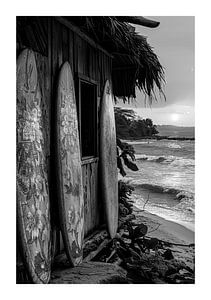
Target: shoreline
{"x": 169, "y": 231}
{"x": 188, "y": 225}
{"x": 175, "y": 230}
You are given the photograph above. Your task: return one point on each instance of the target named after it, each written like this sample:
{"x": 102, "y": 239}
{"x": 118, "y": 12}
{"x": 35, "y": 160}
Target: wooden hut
{"x": 97, "y": 49}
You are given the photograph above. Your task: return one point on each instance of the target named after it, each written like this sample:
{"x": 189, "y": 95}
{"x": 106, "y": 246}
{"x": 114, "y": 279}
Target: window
{"x": 87, "y": 116}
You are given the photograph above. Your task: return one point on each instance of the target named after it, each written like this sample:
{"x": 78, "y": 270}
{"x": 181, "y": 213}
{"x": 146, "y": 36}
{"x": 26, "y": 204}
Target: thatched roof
{"x": 134, "y": 64}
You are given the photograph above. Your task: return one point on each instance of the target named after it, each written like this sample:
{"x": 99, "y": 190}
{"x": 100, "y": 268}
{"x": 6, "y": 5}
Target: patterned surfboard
{"x": 69, "y": 177}
{"x": 33, "y": 215}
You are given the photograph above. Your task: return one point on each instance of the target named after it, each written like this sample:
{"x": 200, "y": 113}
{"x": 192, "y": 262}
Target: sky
{"x": 173, "y": 42}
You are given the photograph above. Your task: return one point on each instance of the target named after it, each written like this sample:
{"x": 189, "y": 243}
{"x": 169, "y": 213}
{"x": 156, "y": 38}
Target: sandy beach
{"x": 170, "y": 232}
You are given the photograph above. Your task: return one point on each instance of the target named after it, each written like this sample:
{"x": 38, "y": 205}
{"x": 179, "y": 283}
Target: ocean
{"x": 164, "y": 183}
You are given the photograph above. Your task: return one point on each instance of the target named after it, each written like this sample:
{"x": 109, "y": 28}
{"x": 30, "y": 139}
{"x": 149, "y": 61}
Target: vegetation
{"x": 126, "y": 155}
{"x": 130, "y": 126}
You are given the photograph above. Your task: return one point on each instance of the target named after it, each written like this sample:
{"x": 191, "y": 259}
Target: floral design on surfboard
{"x": 32, "y": 183}
{"x": 69, "y": 153}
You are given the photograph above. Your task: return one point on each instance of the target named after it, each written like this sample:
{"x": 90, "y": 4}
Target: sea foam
{"x": 168, "y": 159}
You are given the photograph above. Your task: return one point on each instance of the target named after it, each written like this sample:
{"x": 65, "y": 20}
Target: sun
{"x": 174, "y": 117}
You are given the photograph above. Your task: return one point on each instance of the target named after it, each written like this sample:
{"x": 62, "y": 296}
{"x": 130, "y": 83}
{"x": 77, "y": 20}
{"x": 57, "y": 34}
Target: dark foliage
{"x": 125, "y": 191}
{"x": 126, "y": 155}
{"x": 130, "y": 126}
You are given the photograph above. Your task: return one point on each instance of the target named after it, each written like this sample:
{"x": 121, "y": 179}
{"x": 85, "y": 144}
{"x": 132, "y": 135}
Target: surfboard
{"x": 33, "y": 215}
{"x": 68, "y": 159}
{"x": 108, "y": 160}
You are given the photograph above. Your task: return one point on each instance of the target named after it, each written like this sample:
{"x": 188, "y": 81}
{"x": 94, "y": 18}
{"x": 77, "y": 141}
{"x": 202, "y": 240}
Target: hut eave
{"x": 134, "y": 62}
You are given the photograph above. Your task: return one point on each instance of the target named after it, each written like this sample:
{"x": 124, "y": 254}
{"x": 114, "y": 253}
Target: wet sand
{"x": 170, "y": 232}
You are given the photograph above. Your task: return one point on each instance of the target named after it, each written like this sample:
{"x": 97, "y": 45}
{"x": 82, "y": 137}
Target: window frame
{"x": 84, "y": 79}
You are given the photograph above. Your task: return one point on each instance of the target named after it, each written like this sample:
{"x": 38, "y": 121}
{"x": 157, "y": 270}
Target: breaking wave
{"x": 169, "y": 159}
{"x": 174, "y": 146}
{"x": 177, "y": 193}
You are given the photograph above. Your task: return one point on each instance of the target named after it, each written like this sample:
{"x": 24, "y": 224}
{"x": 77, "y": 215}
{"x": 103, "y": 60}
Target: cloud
{"x": 173, "y": 42}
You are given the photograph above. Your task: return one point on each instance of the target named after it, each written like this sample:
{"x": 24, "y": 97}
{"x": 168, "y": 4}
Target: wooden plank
{"x": 65, "y": 46}
{"x": 40, "y": 28}
{"x": 102, "y": 71}
{"x": 60, "y": 53}
{"x": 54, "y": 51}
{"x": 94, "y": 59}
{"x": 89, "y": 160}
{"x": 97, "y": 70}
{"x": 110, "y": 69}
{"x": 85, "y": 59}
{"x": 88, "y": 219}
{"x": 71, "y": 50}
{"x": 49, "y": 64}
{"x": 75, "y": 49}
{"x": 85, "y": 198}
{"x": 92, "y": 207}
{"x": 89, "y": 62}
{"x": 81, "y": 54}
{"x": 95, "y": 66}
{"x": 92, "y": 254}
{"x": 89, "y": 198}
{"x": 61, "y": 243}
{"x": 93, "y": 199}
{"x": 111, "y": 66}
{"x": 96, "y": 242}
{"x": 86, "y": 78}
{"x": 97, "y": 219}
{"x": 91, "y": 66}
{"x": 81, "y": 48}
{"x": 94, "y": 196}
{"x": 94, "y": 235}
{"x": 53, "y": 60}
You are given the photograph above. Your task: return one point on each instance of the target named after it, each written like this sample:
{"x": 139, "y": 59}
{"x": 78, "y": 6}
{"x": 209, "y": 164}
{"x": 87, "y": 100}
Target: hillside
{"x": 176, "y": 131}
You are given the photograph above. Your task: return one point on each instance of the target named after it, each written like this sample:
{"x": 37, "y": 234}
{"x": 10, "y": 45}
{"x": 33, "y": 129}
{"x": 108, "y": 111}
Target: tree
{"x": 131, "y": 126}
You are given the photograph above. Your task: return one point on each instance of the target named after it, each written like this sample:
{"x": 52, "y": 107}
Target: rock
{"x": 140, "y": 230}
{"x": 168, "y": 254}
{"x": 90, "y": 272}
{"x": 158, "y": 281}
{"x": 171, "y": 270}
{"x": 151, "y": 243}
{"x": 137, "y": 274}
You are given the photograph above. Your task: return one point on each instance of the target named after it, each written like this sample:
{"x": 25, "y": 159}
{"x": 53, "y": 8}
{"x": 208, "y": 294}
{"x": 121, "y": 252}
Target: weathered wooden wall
{"x": 56, "y": 41}
{"x": 93, "y": 64}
